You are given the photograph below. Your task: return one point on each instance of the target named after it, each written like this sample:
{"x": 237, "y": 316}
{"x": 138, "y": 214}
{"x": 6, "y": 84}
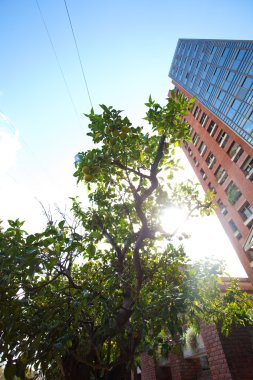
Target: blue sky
{"x": 126, "y": 49}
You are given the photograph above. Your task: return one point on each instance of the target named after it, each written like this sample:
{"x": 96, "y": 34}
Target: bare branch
{"x": 47, "y": 213}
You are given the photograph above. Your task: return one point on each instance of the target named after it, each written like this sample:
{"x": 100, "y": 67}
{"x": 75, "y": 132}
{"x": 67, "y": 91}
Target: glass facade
{"x": 219, "y": 73}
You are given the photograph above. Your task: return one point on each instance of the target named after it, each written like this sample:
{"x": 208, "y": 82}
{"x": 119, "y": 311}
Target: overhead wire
{"x": 56, "y": 58}
{"x": 9, "y": 123}
{"x": 78, "y": 53}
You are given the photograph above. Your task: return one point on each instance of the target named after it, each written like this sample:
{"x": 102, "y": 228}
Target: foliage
{"x": 85, "y": 298}
{"x": 191, "y": 338}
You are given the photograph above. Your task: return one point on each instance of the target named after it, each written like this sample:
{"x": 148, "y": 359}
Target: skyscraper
{"x": 219, "y": 74}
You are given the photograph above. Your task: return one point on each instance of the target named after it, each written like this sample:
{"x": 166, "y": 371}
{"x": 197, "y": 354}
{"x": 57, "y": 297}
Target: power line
{"x": 78, "y": 53}
{"x": 56, "y": 58}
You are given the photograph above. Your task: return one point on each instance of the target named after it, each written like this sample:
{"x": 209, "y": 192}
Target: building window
{"x": 211, "y": 160}
{"x": 247, "y": 82}
{"x": 246, "y": 213}
{"x": 206, "y": 67}
{"x": 190, "y": 129}
{"x": 228, "y": 80}
{"x": 221, "y": 175}
{"x": 209, "y": 90}
{"x": 233, "y": 193}
{"x": 234, "y": 108}
{"x": 215, "y": 75}
{"x": 203, "y": 174}
{"x": 235, "y": 151}
{"x": 234, "y": 228}
{"x": 222, "y": 138}
{"x": 222, "y": 207}
{"x": 251, "y": 70}
{"x": 203, "y": 119}
{"x": 196, "y": 112}
{"x": 200, "y": 83}
{"x": 247, "y": 167}
{"x": 195, "y": 138}
{"x": 223, "y": 56}
{"x": 219, "y": 98}
{"x": 230, "y": 76}
{"x": 238, "y": 59}
{"x": 192, "y": 108}
{"x": 248, "y": 126}
{"x": 189, "y": 151}
{"x": 196, "y": 162}
{"x": 217, "y": 71}
{"x": 202, "y": 148}
{"x": 211, "y": 187}
{"x": 212, "y": 128}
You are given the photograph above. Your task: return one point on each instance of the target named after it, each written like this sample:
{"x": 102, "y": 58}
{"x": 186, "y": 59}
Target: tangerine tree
{"x": 80, "y": 301}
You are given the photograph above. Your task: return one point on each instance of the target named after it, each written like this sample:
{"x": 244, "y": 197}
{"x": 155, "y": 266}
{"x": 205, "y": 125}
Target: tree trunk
{"x": 73, "y": 370}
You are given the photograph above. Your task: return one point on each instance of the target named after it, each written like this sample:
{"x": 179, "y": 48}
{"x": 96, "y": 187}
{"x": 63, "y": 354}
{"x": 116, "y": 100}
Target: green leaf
{"x": 10, "y": 371}
{"x": 61, "y": 224}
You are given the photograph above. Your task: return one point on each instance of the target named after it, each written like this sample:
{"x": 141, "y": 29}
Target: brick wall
{"x": 163, "y": 373}
{"x": 147, "y": 367}
{"x": 239, "y": 352}
{"x": 185, "y": 369}
{"x": 231, "y": 357}
{"x": 215, "y": 353}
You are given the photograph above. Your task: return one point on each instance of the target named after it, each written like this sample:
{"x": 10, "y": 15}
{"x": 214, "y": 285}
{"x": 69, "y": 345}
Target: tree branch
{"x": 107, "y": 235}
{"x": 154, "y": 169}
{"x": 34, "y": 288}
{"x": 125, "y": 167}
{"x": 66, "y": 273}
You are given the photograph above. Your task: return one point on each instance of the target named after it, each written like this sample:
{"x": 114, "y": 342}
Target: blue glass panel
{"x": 247, "y": 82}
{"x": 248, "y": 126}
{"x": 216, "y": 89}
{"x": 231, "y": 113}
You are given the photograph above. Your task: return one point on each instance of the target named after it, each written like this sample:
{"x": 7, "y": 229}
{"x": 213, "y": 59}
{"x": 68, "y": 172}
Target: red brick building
{"x": 223, "y": 163}
{"x": 219, "y": 74}
{"x": 224, "y": 358}
{"x": 217, "y": 357}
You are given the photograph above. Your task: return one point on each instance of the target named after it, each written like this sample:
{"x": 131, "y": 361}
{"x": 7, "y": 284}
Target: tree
{"x": 80, "y": 301}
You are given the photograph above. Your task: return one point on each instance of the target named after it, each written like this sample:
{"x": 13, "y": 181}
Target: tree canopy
{"x": 81, "y": 300}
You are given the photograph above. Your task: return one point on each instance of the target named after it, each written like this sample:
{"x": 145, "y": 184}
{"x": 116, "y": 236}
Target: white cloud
{"x": 9, "y": 146}
{"x": 4, "y": 117}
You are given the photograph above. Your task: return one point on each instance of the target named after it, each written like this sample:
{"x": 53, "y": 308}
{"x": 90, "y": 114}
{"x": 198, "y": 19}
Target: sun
{"x": 173, "y": 219}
